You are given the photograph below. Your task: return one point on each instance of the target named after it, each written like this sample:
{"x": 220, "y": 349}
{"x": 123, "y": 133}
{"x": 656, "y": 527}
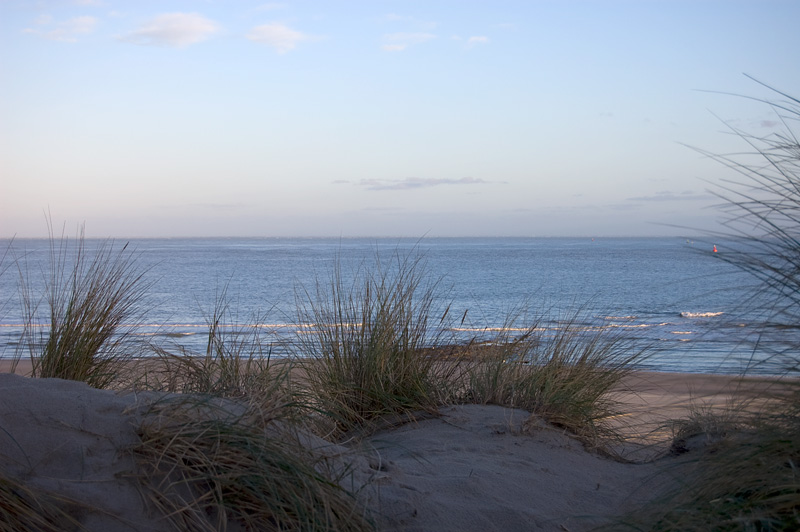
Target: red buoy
{"x": 715, "y": 249}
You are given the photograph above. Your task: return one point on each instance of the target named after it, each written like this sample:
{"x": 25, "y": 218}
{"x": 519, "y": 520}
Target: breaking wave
{"x": 700, "y": 314}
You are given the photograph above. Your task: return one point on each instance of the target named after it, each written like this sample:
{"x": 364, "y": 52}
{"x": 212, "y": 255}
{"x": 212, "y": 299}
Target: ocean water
{"x": 674, "y": 295}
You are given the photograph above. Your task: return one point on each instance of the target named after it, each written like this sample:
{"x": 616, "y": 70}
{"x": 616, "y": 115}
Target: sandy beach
{"x": 474, "y": 467}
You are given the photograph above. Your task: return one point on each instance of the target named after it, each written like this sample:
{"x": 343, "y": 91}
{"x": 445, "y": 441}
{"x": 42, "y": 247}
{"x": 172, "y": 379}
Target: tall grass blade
{"x": 363, "y": 342}
{"x": 92, "y": 305}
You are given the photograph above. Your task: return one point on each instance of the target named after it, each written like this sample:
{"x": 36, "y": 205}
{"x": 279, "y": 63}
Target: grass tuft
{"x": 363, "y": 344}
{"x": 565, "y": 375}
{"x": 736, "y": 471}
{"x": 209, "y": 464}
{"x": 26, "y": 508}
{"x": 91, "y": 301}
{"x": 236, "y": 363}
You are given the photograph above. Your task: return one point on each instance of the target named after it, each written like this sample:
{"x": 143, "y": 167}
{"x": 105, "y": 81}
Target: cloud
{"x": 671, "y": 196}
{"x": 173, "y": 29}
{"x": 280, "y": 37}
{"x": 415, "y": 183}
{"x": 478, "y": 39}
{"x": 770, "y": 123}
{"x": 65, "y": 31}
{"x": 397, "y": 42}
{"x": 96, "y": 3}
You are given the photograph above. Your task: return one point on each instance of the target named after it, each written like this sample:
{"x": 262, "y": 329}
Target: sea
{"x": 678, "y": 298}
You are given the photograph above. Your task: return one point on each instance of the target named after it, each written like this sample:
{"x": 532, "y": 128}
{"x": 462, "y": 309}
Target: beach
{"x": 470, "y": 467}
{"x": 395, "y": 266}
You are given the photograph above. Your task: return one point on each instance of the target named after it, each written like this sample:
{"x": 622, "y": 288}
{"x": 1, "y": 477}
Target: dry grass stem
{"x": 26, "y": 508}
{"x": 564, "y": 375}
{"x": 92, "y": 303}
{"x": 208, "y": 465}
{"x": 365, "y": 352}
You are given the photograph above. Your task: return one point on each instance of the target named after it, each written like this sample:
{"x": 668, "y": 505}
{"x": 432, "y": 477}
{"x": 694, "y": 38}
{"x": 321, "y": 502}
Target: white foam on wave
{"x": 701, "y": 314}
{"x": 495, "y": 329}
{"x": 634, "y": 326}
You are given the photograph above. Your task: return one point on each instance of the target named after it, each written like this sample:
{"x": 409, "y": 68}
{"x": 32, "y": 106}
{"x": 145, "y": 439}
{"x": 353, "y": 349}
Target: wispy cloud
{"x": 471, "y": 41}
{"x": 477, "y": 39}
{"x": 281, "y": 37}
{"x": 173, "y": 29}
{"x": 64, "y": 31}
{"x": 415, "y": 183}
{"x": 397, "y": 42}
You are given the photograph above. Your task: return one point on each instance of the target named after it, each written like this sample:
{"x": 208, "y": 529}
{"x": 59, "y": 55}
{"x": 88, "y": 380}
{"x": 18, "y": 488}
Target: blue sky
{"x": 379, "y": 118}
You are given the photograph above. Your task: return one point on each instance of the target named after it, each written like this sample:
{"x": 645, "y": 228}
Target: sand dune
{"x": 473, "y": 468}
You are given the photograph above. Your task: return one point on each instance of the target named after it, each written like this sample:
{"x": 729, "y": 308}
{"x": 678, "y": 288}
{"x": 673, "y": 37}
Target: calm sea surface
{"x": 671, "y": 293}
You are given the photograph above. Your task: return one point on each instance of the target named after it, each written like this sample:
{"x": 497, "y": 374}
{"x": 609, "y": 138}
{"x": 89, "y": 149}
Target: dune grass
{"x": 374, "y": 348}
{"x": 26, "y": 508}
{"x": 5, "y": 264}
{"x": 564, "y": 375}
{"x": 746, "y": 474}
{"x": 207, "y": 464}
{"x": 92, "y": 301}
{"x": 363, "y": 343}
{"x": 761, "y": 209}
{"x": 735, "y": 471}
{"x": 236, "y": 362}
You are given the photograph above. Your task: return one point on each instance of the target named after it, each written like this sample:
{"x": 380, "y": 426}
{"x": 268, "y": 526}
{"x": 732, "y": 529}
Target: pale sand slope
{"x": 474, "y": 468}
{"x": 67, "y": 438}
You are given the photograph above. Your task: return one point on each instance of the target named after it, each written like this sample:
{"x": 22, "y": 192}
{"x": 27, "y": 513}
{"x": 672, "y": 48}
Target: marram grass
{"x": 747, "y": 475}
{"x": 565, "y": 375}
{"x": 363, "y": 347}
{"x": 91, "y": 303}
{"x": 206, "y": 465}
{"x": 740, "y": 473}
{"x": 236, "y": 363}
{"x": 24, "y": 508}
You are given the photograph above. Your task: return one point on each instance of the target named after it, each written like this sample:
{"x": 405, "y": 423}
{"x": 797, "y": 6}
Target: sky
{"x": 380, "y": 117}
